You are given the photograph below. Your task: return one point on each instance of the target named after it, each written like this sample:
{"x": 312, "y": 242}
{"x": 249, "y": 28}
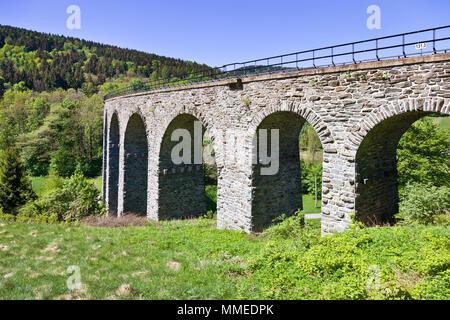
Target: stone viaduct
{"x": 359, "y": 112}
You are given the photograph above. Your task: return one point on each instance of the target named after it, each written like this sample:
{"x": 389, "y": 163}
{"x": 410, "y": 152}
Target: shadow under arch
{"x": 181, "y": 184}
{"x": 376, "y": 175}
{"x": 279, "y": 193}
{"x": 135, "y": 167}
{"x": 113, "y": 162}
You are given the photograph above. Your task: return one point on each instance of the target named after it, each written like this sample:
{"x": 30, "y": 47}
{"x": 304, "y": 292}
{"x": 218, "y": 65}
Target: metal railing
{"x": 415, "y": 43}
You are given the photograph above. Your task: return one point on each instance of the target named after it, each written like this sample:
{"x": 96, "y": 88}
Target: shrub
{"x": 424, "y": 203}
{"x": 294, "y": 227}
{"x": 5, "y": 216}
{"x": 409, "y": 262}
{"x": 77, "y": 198}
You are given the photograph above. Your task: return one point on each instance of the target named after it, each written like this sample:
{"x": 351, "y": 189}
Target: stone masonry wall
{"x": 181, "y": 186}
{"x": 113, "y": 161}
{"x": 278, "y": 194}
{"x": 135, "y": 167}
{"x": 346, "y": 105}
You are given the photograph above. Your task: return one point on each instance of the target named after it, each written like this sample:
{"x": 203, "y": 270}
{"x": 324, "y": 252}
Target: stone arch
{"x": 181, "y": 185}
{"x": 376, "y": 139}
{"x": 183, "y": 110}
{"x": 323, "y": 131}
{"x": 135, "y": 166}
{"x": 113, "y": 164}
{"x": 273, "y": 195}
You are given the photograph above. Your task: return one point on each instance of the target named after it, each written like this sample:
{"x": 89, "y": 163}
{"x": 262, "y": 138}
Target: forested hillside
{"x": 51, "y": 95}
{"x": 45, "y": 61}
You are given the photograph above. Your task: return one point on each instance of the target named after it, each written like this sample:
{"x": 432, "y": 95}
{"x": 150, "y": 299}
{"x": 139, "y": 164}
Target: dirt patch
{"x": 127, "y": 220}
{"x": 51, "y": 249}
{"x": 174, "y": 265}
{"x": 125, "y": 290}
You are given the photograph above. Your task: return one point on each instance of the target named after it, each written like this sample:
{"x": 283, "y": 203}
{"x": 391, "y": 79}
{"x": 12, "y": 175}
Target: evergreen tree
{"x": 15, "y": 188}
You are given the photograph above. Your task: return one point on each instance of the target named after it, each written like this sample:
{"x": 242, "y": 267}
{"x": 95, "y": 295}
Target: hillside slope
{"x": 45, "y": 61}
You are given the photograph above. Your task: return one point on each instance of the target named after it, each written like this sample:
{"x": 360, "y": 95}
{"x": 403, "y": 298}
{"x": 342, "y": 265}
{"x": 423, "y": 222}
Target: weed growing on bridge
{"x": 246, "y": 102}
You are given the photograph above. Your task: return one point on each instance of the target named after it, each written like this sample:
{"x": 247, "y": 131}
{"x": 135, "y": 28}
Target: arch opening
{"x": 113, "y": 162}
{"x": 282, "y": 192}
{"x": 377, "y": 176}
{"x": 183, "y": 173}
{"x": 135, "y": 167}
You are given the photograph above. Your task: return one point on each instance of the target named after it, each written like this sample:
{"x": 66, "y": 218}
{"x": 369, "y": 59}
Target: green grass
{"x": 39, "y": 184}
{"x": 443, "y": 122}
{"x": 309, "y": 205}
{"x": 219, "y": 264}
{"x": 109, "y": 258}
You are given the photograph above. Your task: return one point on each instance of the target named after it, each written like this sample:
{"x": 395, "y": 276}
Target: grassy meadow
{"x": 191, "y": 259}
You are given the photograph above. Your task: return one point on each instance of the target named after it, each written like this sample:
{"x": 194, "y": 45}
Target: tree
{"x": 423, "y": 155}
{"x": 309, "y": 140}
{"x": 15, "y": 187}
{"x": 2, "y": 88}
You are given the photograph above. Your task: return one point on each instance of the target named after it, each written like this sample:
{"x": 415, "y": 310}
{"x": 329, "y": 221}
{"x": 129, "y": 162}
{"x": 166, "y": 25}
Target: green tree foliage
{"x": 309, "y": 141}
{"x": 51, "y": 96}
{"x": 61, "y": 128}
{"x": 311, "y": 177}
{"x": 15, "y": 187}
{"x": 423, "y": 155}
{"x": 424, "y": 173}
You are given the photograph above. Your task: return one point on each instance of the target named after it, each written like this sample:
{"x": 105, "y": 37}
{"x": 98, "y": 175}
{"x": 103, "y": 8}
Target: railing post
{"x": 403, "y": 45}
{"x": 376, "y": 50}
{"x": 332, "y": 56}
{"x": 314, "y": 56}
{"x": 353, "y": 53}
{"x": 434, "y": 41}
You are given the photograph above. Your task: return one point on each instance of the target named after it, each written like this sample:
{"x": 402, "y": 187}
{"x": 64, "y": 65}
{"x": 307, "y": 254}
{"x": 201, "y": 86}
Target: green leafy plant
{"x": 424, "y": 203}
{"x": 76, "y": 198}
{"x": 246, "y": 102}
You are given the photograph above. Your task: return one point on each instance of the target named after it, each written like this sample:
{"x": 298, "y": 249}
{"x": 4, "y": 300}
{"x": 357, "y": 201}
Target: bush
{"x": 425, "y": 204}
{"x": 6, "y": 216}
{"x": 77, "y": 198}
{"x": 409, "y": 262}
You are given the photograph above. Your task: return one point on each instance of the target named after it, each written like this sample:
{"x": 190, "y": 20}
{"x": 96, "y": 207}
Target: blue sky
{"x": 220, "y": 32}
